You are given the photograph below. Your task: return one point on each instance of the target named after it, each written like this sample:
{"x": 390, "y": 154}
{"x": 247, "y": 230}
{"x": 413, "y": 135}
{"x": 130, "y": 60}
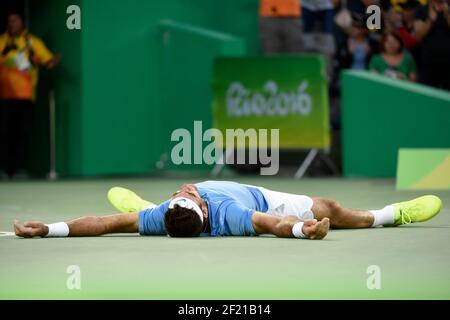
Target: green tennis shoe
{"x": 126, "y": 201}
{"x": 417, "y": 210}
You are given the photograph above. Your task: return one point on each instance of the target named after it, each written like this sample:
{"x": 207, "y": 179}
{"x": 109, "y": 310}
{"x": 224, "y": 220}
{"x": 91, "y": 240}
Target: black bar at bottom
{"x": 229, "y": 309}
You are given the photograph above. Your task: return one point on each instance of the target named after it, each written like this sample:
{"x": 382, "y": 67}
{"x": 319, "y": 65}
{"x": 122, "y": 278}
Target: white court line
{"x": 6, "y": 234}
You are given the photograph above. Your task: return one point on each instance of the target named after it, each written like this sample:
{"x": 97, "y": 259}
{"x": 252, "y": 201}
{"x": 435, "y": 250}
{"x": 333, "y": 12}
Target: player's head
{"x": 187, "y": 213}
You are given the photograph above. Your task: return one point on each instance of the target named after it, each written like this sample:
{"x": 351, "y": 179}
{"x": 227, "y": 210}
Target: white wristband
{"x": 60, "y": 229}
{"x": 297, "y": 230}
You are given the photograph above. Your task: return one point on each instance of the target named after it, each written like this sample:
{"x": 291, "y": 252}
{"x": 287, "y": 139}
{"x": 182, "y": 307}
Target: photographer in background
{"x": 21, "y": 54}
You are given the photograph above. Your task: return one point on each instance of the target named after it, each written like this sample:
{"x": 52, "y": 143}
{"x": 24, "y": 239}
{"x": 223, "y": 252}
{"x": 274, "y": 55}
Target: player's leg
{"x": 339, "y": 216}
{"x": 416, "y": 210}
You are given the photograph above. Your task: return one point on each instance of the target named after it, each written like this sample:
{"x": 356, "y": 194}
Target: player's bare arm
{"x": 283, "y": 226}
{"x": 83, "y": 227}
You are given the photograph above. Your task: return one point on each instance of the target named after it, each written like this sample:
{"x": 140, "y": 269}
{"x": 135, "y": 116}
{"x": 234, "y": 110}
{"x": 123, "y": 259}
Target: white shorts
{"x": 287, "y": 204}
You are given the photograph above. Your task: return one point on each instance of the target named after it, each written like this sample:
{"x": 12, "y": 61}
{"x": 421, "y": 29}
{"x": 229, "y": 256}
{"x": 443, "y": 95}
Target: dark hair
{"x": 16, "y": 13}
{"x": 182, "y": 222}
{"x": 396, "y": 36}
{"x": 358, "y": 20}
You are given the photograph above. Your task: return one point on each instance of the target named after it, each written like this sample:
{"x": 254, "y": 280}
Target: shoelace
{"x": 406, "y": 218}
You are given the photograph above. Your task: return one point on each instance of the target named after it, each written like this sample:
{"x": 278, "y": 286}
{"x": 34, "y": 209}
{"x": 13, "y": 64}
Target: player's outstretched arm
{"x": 290, "y": 226}
{"x": 81, "y": 227}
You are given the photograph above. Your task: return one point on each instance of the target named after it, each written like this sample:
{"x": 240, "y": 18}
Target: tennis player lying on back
{"x": 223, "y": 208}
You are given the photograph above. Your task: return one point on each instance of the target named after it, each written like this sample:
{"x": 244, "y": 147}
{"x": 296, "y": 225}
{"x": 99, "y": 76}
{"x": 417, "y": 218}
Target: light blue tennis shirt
{"x": 230, "y": 209}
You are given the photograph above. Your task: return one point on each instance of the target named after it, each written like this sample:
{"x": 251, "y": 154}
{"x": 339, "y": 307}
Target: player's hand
{"x": 316, "y": 230}
{"x": 30, "y": 229}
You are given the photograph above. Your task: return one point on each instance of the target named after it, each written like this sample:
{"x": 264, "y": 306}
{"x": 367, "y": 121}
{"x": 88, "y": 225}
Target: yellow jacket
{"x": 19, "y": 60}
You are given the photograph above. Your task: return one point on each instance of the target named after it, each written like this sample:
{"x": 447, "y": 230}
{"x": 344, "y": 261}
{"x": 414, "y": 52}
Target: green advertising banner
{"x": 288, "y": 93}
{"x": 420, "y": 169}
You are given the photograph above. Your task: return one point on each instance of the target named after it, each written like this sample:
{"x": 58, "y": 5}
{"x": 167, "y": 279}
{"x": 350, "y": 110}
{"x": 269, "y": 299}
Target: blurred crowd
{"x": 409, "y": 41}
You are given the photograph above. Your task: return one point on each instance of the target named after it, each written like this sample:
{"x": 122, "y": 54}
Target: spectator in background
{"x": 345, "y": 10}
{"x": 432, "y": 27}
{"x": 20, "y": 55}
{"x": 359, "y": 6}
{"x": 393, "y": 61}
{"x": 280, "y": 26}
{"x": 318, "y": 11}
{"x": 358, "y": 47}
{"x": 355, "y": 13}
{"x": 398, "y": 4}
{"x": 403, "y": 23}
{"x": 318, "y": 22}
{"x": 400, "y": 19}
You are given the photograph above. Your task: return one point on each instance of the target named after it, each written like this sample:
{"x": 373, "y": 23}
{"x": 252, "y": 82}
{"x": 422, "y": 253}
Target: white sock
{"x": 383, "y": 216}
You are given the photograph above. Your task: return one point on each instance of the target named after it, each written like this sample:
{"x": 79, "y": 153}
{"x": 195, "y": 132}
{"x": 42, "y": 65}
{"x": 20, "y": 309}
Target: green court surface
{"x": 414, "y": 261}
